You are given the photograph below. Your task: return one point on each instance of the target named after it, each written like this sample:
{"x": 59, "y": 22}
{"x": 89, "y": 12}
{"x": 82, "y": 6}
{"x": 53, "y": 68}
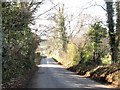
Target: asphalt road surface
{"x": 52, "y": 75}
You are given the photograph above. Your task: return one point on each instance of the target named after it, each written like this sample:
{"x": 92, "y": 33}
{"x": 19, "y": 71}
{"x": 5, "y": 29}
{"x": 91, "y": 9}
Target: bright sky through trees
{"x": 72, "y": 7}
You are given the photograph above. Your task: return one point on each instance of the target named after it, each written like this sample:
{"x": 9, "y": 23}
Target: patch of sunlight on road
{"x": 95, "y": 86}
{"x": 49, "y": 65}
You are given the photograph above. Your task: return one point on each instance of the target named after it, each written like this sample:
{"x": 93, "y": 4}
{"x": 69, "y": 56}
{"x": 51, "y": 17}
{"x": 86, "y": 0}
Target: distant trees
{"x": 84, "y": 49}
{"x": 93, "y": 42}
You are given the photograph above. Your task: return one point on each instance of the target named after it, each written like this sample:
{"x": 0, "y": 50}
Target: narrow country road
{"x": 52, "y": 75}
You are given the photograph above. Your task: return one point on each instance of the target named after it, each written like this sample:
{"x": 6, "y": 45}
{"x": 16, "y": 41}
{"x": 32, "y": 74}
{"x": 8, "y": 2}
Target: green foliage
{"x": 106, "y": 60}
{"x": 86, "y": 54}
{"x": 97, "y": 33}
{"x": 37, "y": 58}
{"x": 93, "y": 51}
{"x": 73, "y": 54}
{"x": 60, "y": 30}
{"x": 70, "y": 57}
{"x": 19, "y": 43}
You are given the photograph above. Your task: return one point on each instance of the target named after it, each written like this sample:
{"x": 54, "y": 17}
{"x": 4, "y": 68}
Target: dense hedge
{"x": 19, "y": 43}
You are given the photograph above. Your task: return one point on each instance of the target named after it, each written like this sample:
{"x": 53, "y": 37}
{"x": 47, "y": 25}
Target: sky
{"x": 76, "y": 5}
{"x": 72, "y": 7}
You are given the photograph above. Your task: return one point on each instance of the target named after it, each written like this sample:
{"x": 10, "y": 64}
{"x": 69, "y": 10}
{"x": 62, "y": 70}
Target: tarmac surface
{"x": 52, "y": 75}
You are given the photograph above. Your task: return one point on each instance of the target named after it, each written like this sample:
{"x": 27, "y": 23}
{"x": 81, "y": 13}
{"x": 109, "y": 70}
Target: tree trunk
{"x": 110, "y": 22}
{"x": 118, "y": 30}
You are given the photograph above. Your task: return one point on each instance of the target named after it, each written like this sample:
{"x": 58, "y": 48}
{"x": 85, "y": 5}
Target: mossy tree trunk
{"x": 110, "y": 21}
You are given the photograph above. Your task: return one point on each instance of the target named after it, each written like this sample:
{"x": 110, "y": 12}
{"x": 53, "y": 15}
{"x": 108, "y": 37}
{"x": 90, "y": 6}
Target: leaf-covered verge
{"x": 106, "y": 74}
